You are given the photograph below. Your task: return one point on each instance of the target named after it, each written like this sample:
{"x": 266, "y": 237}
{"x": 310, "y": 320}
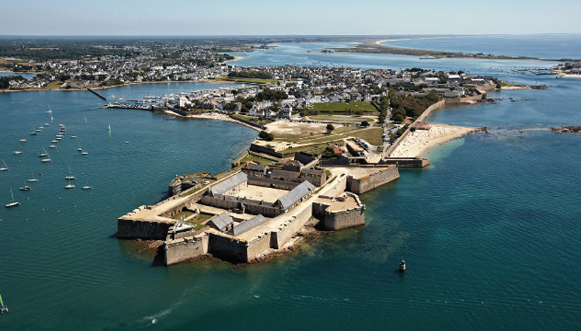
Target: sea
{"x": 491, "y": 230}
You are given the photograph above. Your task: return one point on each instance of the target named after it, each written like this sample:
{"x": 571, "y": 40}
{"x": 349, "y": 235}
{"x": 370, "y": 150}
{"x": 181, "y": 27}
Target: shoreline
{"x": 420, "y": 141}
{"x": 209, "y": 81}
{"x": 211, "y": 116}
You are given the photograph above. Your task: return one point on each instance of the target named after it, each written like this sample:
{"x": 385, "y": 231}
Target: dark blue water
{"x": 545, "y": 46}
{"x": 490, "y": 230}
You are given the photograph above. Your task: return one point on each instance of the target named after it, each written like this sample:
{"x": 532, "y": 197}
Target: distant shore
{"x": 210, "y": 81}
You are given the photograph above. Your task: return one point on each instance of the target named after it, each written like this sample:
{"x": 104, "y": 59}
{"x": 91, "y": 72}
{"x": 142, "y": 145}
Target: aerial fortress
{"x": 254, "y": 212}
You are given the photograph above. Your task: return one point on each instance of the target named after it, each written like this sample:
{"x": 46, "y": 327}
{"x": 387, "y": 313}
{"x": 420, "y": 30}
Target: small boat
{"x": 41, "y": 127}
{"x": 8, "y": 205}
{"x": 69, "y": 186}
{"x": 3, "y": 309}
{"x": 402, "y": 265}
{"x": 74, "y": 137}
{"x": 49, "y": 111}
{"x": 54, "y": 141}
{"x": 5, "y": 168}
{"x": 52, "y": 146}
{"x": 85, "y": 153}
{"x": 59, "y": 138}
{"x": 43, "y": 154}
{"x": 126, "y": 141}
{"x": 87, "y": 187}
{"x": 17, "y": 152}
{"x": 46, "y": 124}
{"x": 70, "y": 176}
{"x": 33, "y": 179}
{"x": 47, "y": 158}
{"x": 26, "y": 188}
{"x": 79, "y": 149}
{"x": 22, "y": 140}
{"x": 38, "y": 130}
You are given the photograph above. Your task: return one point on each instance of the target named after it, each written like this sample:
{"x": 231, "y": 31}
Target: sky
{"x": 297, "y": 17}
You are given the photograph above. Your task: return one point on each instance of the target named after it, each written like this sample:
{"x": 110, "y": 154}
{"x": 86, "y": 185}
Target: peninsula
{"x": 325, "y": 136}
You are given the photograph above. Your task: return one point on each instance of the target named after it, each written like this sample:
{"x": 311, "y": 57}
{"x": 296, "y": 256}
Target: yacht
{"x": 70, "y": 176}
{"x": 5, "y": 168}
{"x": 13, "y": 203}
{"x": 32, "y": 179}
{"x": 69, "y": 186}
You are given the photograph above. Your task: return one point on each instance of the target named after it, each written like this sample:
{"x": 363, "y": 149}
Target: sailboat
{"x": 5, "y": 168}
{"x": 32, "y": 180}
{"x": 25, "y": 188}
{"x": 47, "y": 158}
{"x": 69, "y": 186}
{"x": 49, "y": 111}
{"x": 70, "y": 176}
{"x": 17, "y": 151}
{"x": 22, "y": 140}
{"x": 86, "y": 186}
{"x": 43, "y": 154}
{"x": 3, "y": 309}
{"x": 8, "y": 205}
{"x": 84, "y": 153}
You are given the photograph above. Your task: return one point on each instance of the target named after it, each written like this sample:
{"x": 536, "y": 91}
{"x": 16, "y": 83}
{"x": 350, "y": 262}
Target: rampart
{"x": 406, "y": 162}
{"x": 265, "y": 150}
{"x": 142, "y": 229}
{"x": 186, "y": 248}
{"x": 370, "y": 181}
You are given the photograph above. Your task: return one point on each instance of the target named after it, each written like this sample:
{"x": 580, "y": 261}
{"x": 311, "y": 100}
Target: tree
{"x": 364, "y": 124}
{"x": 330, "y": 128}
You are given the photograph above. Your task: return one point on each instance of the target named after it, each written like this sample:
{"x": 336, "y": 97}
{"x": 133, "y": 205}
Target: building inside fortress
{"x": 255, "y": 210}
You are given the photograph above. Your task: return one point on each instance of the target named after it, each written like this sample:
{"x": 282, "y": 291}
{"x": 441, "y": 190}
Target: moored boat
{"x": 402, "y": 265}
{"x": 8, "y": 205}
{"x": 5, "y": 167}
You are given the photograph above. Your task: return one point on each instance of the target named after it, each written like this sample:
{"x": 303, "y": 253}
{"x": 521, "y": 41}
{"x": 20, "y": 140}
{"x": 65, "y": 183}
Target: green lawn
{"x": 196, "y": 222}
{"x": 248, "y": 80}
{"x": 339, "y": 107}
{"x": 255, "y": 159}
{"x": 373, "y": 136}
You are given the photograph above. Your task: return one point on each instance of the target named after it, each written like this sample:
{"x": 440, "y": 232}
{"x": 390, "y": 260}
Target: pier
{"x": 97, "y": 93}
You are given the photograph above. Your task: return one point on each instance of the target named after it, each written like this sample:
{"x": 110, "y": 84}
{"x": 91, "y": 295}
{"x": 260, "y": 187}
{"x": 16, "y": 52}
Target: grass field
{"x": 196, "y": 222}
{"x": 248, "y": 80}
{"x": 255, "y": 159}
{"x": 339, "y": 107}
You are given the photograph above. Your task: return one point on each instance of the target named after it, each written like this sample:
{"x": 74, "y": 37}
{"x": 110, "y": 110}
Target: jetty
{"x": 97, "y": 93}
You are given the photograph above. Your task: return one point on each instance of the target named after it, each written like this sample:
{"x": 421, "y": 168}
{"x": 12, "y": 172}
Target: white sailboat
{"x": 43, "y": 153}
{"x": 32, "y": 179}
{"x": 46, "y": 158}
{"x": 13, "y": 203}
{"x": 70, "y": 176}
{"x": 49, "y": 111}
{"x": 84, "y": 153}
{"x": 69, "y": 186}
{"x": 5, "y": 168}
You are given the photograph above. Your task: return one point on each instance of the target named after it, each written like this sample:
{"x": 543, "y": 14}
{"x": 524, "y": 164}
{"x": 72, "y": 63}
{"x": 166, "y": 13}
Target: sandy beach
{"x": 418, "y": 142}
{"x": 212, "y": 116}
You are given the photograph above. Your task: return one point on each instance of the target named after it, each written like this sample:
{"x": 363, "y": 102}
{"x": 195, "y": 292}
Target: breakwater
{"x": 97, "y": 93}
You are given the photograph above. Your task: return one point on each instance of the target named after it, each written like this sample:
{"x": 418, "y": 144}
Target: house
{"x": 287, "y": 111}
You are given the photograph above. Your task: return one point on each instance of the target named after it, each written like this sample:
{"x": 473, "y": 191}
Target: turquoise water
{"x": 490, "y": 230}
